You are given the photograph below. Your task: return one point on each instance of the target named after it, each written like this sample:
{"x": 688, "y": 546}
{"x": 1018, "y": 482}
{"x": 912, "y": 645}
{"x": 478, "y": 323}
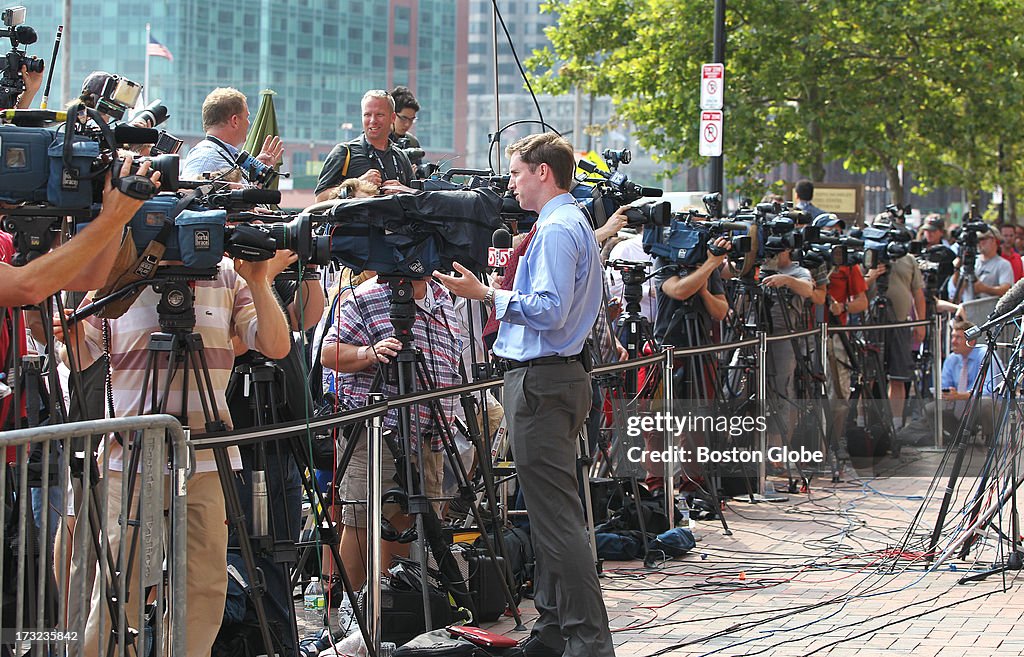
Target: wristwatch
{"x": 489, "y": 297}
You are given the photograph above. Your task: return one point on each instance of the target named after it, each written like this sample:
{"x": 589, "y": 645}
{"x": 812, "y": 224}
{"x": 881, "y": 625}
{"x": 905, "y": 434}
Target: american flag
{"x": 156, "y": 49}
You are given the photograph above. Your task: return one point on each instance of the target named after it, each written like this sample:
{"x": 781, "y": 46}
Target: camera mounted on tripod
{"x": 415, "y": 234}
{"x": 885, "y": 241}
{"x": 686, "y": 239}
{"x": 826, "y": 247}
{"x": 57, "y": 172}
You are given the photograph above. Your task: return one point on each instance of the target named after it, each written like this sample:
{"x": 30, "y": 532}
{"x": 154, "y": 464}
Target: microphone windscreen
{"x": 501, "y": 239}
{"x": 129, "y": 134}
{"x": 1010, "y": 300}
{"x": 25, "y": 34}
{"x": 256, "y": 196}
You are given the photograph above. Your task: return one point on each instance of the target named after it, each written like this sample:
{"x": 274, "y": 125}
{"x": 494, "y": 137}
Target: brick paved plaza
{"x": 829, "y": 572}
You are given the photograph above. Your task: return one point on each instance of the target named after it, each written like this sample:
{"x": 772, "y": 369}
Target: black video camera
{"x": 199, "y": 234}
{"x": 60, "y": 171}
{"x": 884, "y": 243}
{"x": 12, "y": 84}
{"x": 686, "y": 240}
{"x": 616, "y": 185}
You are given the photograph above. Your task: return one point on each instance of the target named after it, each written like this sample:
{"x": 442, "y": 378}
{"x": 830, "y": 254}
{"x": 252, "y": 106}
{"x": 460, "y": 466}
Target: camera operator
{"x": 933, "y": 231}
{"x": 33, "y": 81}
{"x": 792, "y": 284}
{"x": 901, "y": 286}
{"x": 406, "y": 109}
{"x": 357, "y": 344}
{"x": 226, "y": 122}
{"x": 992, "y": 275}
{"x": 372, "y": 156}
{"x": 846, "y": 296}
{"x": 239, "y": 301}
{"x": 80, "y": 264}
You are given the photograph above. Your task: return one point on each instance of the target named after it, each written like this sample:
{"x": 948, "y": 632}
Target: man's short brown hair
{"x": 550, "y": 149}
{"x": 220, "y": 105}
{"x": 962, "y": 325}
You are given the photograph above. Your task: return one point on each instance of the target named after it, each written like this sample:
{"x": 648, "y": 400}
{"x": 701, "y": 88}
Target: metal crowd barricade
{"x": 937, "y": 347}
{"x": 57, "y": 565}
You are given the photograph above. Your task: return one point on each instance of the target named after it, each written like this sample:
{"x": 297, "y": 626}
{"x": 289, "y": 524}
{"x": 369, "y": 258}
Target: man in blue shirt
{"x": 226, "y": 122}
{"x": 959, "y": 373}
{"x": 545, "y": 320}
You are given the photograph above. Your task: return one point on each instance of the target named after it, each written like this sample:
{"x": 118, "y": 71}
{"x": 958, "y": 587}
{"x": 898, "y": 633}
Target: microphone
{"x": 499, "y": 254}
{"x": 651, "y": 191}
{"x": 129, "y": 134}
{"x": 255, "y": 196}
{"x": 25, "y": 34}
{"x": 1010, "y": 306}
{"x": 1011, "y": 299}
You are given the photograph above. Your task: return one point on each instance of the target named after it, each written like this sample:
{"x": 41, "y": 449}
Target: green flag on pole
{"x": 263, "y": 126}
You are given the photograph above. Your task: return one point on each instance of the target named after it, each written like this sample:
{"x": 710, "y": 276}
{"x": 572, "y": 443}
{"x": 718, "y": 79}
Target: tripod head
{"x": 634, "y": 274}
{"x": 176, "y": 310}
{"x": 403, "y": 307}
{"x": 33, "y": 235}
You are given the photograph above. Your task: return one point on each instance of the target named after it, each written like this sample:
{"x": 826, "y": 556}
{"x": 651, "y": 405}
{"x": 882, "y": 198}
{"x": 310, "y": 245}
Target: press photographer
{"x": 226, "y": 122}
{"x": 237, "y": 301}
{"x": 372, "y": 156}
{"x": 21, "y": 76}
{"x": 980, "y": 271}
{"x": 896, "y": 288}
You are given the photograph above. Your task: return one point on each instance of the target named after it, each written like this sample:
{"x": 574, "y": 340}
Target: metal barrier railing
{"x": 70, "y": 568}
{"x": 66, "y": 585}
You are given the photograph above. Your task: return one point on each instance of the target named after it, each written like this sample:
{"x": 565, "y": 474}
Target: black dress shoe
{"x": 534, "y": 647}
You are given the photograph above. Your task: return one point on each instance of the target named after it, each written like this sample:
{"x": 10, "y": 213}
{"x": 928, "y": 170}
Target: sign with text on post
{"x": 712, "y": 86}
{"x": 711, "y": 133}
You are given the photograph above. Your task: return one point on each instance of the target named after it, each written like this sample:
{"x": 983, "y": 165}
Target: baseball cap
{"x": 94, "y": 83}
{"x": 828, "y": 220}
{"x": 935, "y": 223}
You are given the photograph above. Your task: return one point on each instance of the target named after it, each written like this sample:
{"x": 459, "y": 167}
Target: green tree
{"x": 873, "y": 83}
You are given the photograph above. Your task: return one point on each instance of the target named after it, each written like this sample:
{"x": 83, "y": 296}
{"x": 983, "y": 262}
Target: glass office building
{"x": 319, "y": 56}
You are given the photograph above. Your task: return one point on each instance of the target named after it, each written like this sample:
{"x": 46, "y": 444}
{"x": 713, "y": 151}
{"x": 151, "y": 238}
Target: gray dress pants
{"x": 546, "y": 406}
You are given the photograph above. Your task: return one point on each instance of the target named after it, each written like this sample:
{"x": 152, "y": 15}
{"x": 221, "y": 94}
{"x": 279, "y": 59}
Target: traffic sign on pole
{"x": 711, "y": 133}
{"x": 712, "y": 86}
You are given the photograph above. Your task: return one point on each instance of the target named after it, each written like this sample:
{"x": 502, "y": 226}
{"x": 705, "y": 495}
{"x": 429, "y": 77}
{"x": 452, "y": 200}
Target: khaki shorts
{"x": 353, "y": 484}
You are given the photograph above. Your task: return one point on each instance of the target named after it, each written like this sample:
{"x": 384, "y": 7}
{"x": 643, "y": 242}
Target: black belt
{"x": 506, "y": 364}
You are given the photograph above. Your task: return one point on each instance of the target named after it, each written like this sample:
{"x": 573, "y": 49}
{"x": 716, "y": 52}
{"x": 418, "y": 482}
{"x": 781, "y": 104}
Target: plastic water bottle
{"x": 313, "y": 601}
{"x": 686, "y": 520}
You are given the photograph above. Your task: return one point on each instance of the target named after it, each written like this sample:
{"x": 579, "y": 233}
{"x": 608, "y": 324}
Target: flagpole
{"x": 145, "y": 83}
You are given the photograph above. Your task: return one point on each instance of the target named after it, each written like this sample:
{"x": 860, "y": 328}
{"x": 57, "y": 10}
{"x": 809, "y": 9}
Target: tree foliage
{"x": 929, "y": 84}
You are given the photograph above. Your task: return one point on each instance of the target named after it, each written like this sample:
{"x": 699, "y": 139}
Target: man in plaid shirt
{"x": 358, "y": 344}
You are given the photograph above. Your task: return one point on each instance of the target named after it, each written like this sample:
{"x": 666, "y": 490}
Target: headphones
{"x": 387, "y": 530}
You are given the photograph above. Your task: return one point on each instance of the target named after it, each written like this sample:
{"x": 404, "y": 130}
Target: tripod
{"x": 409, "y": 373}
{"x": 182, "y": 350}
{"x": 763, "y": 309}
{"x": 997, "y": 450}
